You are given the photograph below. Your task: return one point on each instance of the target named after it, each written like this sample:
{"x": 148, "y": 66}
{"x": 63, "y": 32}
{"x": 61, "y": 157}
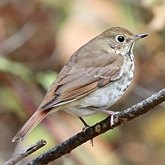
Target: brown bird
{"x": 94, "y": 78}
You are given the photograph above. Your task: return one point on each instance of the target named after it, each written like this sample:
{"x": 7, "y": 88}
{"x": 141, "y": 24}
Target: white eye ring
{"x": 120, "y": 38}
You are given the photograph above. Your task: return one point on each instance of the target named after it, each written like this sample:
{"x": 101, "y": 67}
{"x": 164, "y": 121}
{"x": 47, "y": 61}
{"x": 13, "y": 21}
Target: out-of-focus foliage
{"x": 36, "y": 40}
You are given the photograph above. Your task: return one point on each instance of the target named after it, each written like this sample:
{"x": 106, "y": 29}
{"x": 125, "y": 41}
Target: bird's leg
{"x": 83, "y": 121}
{"x": 110, "y": 113}
{"x": 112, "y": 121}
{"x": 86, "y": 126}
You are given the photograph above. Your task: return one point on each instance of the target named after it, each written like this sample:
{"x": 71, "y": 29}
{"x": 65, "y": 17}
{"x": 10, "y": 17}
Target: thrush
{"x": 93, "y": 79}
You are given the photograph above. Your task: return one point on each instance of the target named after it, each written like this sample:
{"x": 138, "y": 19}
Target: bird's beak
{"x": 139, "y": 36}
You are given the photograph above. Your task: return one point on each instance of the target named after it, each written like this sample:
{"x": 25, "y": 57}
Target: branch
{"x": 16, "y": 158}
{"x": 99, "y": 128}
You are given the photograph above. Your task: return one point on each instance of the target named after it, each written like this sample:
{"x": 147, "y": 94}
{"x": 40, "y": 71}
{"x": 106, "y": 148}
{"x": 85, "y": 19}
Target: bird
{"x": 95, "y": 77}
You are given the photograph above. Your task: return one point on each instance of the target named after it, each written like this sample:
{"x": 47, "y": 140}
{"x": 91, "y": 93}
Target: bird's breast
{"x": 106, "y": 96}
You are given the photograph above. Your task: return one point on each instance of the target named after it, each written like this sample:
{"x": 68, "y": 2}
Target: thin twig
{"x": 99, "y": 128}
{"x": 16, "y": 158}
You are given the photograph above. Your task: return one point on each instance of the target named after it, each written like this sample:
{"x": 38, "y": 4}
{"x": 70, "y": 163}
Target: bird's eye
{"x": 120, "y": 38}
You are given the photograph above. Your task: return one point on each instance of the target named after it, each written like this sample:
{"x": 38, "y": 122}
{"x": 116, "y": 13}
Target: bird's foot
{"x": 113, "y": 119}
{"x": 112, "y": 114}
{"x": 86, "y": 126}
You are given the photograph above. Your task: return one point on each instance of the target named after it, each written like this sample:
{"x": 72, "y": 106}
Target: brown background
{"x": 37, "y": 38}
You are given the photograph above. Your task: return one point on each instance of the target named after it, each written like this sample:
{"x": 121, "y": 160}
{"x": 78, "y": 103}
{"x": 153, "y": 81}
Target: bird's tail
{"x": 34, "y": 120}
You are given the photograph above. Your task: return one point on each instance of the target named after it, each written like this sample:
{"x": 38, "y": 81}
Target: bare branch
{"x": 99, "y": 128}
{"x": 16, "y": 158}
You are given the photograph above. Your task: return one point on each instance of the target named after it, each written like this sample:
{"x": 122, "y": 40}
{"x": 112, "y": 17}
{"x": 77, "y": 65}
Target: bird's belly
{"x": 107, "y": 96}
{"x": 104, "y": 97}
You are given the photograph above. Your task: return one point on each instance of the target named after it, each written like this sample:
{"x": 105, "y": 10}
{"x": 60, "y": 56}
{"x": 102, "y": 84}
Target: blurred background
{"x": 36, "y": 39}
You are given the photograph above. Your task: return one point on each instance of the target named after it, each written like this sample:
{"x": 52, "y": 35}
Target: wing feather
{"x": 75, "y": 82}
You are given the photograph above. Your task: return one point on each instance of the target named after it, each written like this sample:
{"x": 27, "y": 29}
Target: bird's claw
{"x": 113, "y": 119}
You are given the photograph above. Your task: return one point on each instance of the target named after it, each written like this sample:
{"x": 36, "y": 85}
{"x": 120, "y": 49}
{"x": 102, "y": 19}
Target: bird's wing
{"x": 75, "y": 82}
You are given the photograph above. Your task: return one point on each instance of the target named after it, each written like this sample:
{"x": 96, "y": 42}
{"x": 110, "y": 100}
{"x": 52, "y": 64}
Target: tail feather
{"x": 34, "y": 120}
